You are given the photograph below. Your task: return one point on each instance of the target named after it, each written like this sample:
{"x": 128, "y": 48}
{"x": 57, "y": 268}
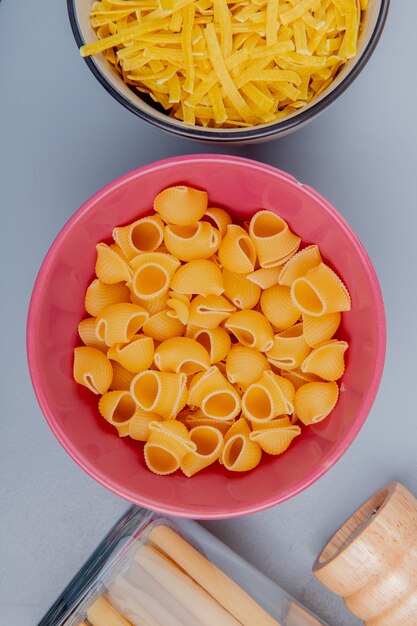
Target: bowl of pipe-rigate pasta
{"x": 226, "y": 70}
{"x": 206, "y": 336}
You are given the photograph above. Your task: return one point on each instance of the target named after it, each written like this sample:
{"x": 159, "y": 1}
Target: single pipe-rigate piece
{"x": 372, "y": 559}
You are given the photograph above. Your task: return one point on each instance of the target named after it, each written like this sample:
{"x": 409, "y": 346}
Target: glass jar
{"x": 152, "y": 570}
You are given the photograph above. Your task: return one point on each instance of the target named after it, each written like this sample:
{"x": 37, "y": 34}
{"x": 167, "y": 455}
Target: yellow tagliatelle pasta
{"x": 201, "y": 277}
{"x": 273, "y": 240}
{"x": 195, "y": 241}
{"x": 99, "y": 295}
{"x": 181, "y": 205}
{"x": 252, "y": 329}
{"x": 181, "y": 354}
{"x": 92, "y": 369}
{"x": 207, "y": 341}
{"x": 227, "y": 64}
{"x": 144, "y": 235}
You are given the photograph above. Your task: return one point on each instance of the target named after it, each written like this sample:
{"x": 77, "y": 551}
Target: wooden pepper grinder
{"x": 372, "y": 559}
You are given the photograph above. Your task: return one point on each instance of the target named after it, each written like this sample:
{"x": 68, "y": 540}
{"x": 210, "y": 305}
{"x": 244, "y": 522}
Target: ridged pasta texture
{"x": 209, "y": 341}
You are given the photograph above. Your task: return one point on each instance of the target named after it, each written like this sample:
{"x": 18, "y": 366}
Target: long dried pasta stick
{"x": 102, "y": 613}
{"x": 179, "y": 585}
{"x": 214, "y": 581}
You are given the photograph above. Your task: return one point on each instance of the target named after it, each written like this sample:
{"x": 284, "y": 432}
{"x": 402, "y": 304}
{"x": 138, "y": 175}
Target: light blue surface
{"x": 62, "y": 137}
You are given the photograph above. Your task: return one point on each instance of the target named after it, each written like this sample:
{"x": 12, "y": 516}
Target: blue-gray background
{"x": 62, "y": 137}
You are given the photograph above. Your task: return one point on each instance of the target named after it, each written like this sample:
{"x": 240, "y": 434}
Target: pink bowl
{"x": 56, "y": 308}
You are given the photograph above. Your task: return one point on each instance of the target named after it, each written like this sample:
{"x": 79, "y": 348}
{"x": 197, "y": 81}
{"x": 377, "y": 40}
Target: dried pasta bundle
{"x": 196, "y": 349}
{"x": 221, "y": 64}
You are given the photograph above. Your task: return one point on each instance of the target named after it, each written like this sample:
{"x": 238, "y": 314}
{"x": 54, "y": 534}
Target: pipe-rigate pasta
{"x": 205, "y": 341}
{"x": 213, "y": 393}
{"x": 240, "y": 454}
{"x": 139, "y": 424}
{"x": 216, "y": 341}
{"x": 252, "y": 329}
{"x": 118, "y": 323}
{"x": 219, "y": 218}
{"x": 181, "y": 354}
{"x": 237, "y": 252}
{"x": 317, "y": 330}
{"x": 265, "y": 277}
{"x": 163, "y": 393}
{"x": 299, "y": 265}
{"x": 290, "y": 348}
{"x": 179, "y": 307}
{"x": 87, "y": 332}
{"x": 209, "y": 443}
{"x": 156, "y": 305}
{"x": 326, "y": 361}
{"x": 239, "y": 290}
{"x": 209, "y": 311}
{"x": 163, "y": 326}
{"x": 92, "y": 369}
{"x": 195, "y": 241}
{"x": 111, "y": 267}
{"x": 275, "y": 441}
{"x": 117, "y": 408}
{"x": 245, "y": 366}
{"x": 144, "y": 235}
{"x": 270, "y": 396}
{"x": 278, "y": 307}
{"x": 320, "y": 291}
{"x": 314, "y": 401}
{"x": 199, "y": 277}
{"x": 273, "y": 240}
{"x": 135, "y": 356}
{"x": 181, "y": 205}
{"x": 298, "y": 378}
{"x": 99, "y": 295}
{"x": 122, "y": 378}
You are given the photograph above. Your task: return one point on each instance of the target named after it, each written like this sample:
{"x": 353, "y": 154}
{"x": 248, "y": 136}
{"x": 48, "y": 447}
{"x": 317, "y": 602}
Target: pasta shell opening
{"x": 247, "y": 249}
{"x": 220, "y": 405}
{"x": 234, "y": 450}
{"x": 258, "y": 404}
{"x": 146, "y": 236}
{"x": 124, "y": 410}
{"x": 240, "y": 454}
{"x": 267, "y": 224}
{"x": 149, "y": 387}
{"x": 150, "y": 281}
{"x": 204, "y": 339}
{"x": 206, "y": 438}
{"x": 160, "y": 461}
{"x": 306, "y": 298}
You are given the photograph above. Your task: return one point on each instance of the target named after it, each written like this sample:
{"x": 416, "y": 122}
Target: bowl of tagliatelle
{"x": 226, "y": 70}
{"x": 206, "y": 336}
